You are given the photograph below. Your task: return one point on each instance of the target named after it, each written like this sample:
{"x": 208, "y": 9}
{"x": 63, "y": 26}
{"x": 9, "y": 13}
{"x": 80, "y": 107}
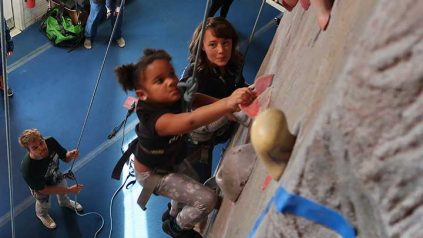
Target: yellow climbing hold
{"x": 272, "y": 140}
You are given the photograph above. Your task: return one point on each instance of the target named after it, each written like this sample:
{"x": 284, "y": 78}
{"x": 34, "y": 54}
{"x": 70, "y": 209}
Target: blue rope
{"x": 286, "y": 202}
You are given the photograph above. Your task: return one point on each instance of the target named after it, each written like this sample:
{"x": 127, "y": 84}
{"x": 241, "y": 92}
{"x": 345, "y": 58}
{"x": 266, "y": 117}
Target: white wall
{"x": 7, "y": 9}
{"x": 23, "y": 16}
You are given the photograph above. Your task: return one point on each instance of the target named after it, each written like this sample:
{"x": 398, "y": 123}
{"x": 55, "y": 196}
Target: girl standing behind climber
{"x": 161, "y": 147}
{"x": 218, "y": 75}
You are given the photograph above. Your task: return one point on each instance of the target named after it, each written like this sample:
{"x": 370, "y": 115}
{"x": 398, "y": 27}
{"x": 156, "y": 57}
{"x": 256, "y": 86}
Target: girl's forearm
{"x": 202, "y": 100}
{"x": 175, "y": 124}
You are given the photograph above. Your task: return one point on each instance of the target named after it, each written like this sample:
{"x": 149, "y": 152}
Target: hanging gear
{"x": 69, "y": 175}
{"x": 191, "y": 84}
{"x": 117, "y": 170}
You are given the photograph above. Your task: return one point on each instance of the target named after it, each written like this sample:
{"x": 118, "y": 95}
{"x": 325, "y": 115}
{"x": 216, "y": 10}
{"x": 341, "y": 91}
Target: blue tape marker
{"x": 286, "y": 202}
{"x": 263, "y": 213}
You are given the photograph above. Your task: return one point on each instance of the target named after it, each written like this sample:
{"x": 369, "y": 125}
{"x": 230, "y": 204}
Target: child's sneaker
{"x": 171, "y": 228}
{"x": 121, "y": 42}
{"x": 71, "y": 205}
{"x": 47, "y": 221}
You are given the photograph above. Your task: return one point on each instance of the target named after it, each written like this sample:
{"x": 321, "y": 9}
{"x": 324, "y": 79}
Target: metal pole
{"x": 7, "y": 117}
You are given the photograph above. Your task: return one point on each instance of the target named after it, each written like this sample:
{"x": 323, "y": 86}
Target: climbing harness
{"x": 286, "y": 202}
{"x": 153, "y": 180}
{"x": 148, "y": 188}
{"x": 117, "y": 170}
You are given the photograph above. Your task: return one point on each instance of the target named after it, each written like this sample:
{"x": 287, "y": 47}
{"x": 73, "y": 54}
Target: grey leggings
{"x": 195, "y": 199}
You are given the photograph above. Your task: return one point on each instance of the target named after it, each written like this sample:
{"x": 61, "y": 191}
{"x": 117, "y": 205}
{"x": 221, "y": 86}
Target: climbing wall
{"x": 353, "y": 97}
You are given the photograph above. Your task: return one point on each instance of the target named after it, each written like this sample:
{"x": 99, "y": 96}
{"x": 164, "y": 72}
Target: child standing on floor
{"x": 40, "y": 169}
{"x": 162, "y": 146}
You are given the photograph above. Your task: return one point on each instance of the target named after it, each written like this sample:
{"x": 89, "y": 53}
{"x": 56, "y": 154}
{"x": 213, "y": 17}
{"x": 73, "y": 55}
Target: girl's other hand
{"x": 76, "y": 188}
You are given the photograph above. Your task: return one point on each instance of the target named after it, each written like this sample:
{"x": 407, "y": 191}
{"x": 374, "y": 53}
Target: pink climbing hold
{"x": 259, "y": 86}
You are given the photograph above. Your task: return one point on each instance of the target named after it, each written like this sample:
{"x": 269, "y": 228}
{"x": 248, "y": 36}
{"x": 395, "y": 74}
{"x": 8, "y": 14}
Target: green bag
{"x": 60, "y": 30}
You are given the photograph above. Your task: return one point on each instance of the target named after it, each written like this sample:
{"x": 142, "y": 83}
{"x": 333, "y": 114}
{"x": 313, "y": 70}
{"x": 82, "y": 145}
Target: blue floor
{"x": 53, "y": 89}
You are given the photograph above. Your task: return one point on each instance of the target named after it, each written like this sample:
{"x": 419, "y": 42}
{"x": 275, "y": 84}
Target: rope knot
{"x": 190, "y": 87}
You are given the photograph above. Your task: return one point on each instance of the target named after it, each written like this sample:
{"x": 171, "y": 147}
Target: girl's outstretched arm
{"x": 181, "y": 123}
{"x": 202, "y": 100}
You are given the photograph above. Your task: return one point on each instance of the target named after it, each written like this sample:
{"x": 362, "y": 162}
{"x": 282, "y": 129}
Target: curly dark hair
{"x": 131, "y": 76}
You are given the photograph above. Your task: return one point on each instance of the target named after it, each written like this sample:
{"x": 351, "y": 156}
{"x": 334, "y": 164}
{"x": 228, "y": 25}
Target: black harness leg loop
{"x": 117, "y": 171}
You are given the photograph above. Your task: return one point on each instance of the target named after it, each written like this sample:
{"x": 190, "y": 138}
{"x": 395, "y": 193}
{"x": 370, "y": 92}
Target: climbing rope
{"x": 130, "y": 163}
{"x": 7, "y": 119}
{"x": 191, "y": 85}
{"x": 130, "y": 174}
{"x": 70, "y": 174}
{"x": 251, "y": 37}
{"x": 98, "y": 80}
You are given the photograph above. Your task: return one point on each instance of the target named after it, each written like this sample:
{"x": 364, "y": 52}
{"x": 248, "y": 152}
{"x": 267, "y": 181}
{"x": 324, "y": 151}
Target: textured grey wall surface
{"x": 353, "y": 95}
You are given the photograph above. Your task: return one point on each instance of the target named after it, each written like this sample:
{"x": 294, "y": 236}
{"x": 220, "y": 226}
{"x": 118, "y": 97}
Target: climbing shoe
{"x": 171, "y": 228}
{"x": 166, "y": 215}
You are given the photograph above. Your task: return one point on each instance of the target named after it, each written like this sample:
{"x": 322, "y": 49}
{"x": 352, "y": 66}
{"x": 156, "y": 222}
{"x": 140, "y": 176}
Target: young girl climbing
{"x": 161, "y": 150}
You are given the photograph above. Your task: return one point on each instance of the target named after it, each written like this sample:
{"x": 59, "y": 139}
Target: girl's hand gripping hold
{"x": 241, "y": 96}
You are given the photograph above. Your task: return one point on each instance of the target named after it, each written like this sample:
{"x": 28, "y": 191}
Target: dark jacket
{"x": 211, "y": 82}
